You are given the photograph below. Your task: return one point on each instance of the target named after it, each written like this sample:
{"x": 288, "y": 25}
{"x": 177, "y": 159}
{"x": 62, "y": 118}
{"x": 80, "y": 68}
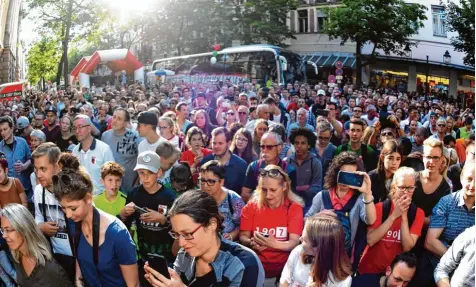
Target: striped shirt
{"x": 451, "y": 214}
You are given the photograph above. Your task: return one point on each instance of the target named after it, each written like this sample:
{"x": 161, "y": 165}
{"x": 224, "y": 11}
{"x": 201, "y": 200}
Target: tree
{"x": 387, "y": 24}
{"x": 258, "y": 21}
{"x": 42, "y": 60}
{"x": 67, "y": 19}
{"x": 460, "y": 19}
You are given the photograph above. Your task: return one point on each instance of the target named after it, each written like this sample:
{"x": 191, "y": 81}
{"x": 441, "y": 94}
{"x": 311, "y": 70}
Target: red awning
{"x": 11, "y": 88}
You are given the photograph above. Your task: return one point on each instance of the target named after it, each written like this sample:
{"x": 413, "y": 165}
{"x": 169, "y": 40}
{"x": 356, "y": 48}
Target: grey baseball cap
{"x": 22, "y": 122}
{"x": 148, "y": 160}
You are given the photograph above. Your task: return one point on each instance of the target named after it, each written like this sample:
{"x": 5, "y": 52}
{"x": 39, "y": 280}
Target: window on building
{"x": 439, "y": 21}
{"x": 320, "y": 23}
{"x": 303, "y": 21}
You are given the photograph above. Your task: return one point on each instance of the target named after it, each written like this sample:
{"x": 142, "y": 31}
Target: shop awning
{"x": 329, "y": 59}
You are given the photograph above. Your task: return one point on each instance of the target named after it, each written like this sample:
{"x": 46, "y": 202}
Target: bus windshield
{"x": 257, "y": 67}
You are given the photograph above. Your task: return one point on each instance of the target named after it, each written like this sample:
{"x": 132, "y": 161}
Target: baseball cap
{"x": 321, "y": 93}
{"x": 201, "y": 95}
{"x": 148, "y": 118}
{"x": 22, "y": 122}
{"x": 14, "y": 108}
{"x": 51, "y": 109}
{"x": 148, "y": 160}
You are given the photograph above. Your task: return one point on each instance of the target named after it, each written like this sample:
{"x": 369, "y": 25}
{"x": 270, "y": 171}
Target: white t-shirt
{"x": 296, "y": 273}
{"x": 53, "y": 213}
{"x": 144, "y": 145}
{"x": 93, "y": 159}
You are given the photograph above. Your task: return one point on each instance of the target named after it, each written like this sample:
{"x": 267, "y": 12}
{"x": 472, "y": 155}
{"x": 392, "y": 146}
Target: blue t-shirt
{"x": 118, "y": 249}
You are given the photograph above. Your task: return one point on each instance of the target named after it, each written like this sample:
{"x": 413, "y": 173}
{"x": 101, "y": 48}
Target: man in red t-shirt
{"x": 394, "y": 235}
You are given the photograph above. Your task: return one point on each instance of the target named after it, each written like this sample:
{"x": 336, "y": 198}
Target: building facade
{"x": 424, "y": 63}
{"x": 11, "y": 50}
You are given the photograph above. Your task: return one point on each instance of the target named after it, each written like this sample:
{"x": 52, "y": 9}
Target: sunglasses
{"x": 271, "y": 172}
{"x": 231, "y": 114}
{"x": 267, "y": 147}
{"x": 442, "y": 125}
{"x": 389, "y": 134}
{"x": 242, "y": 113}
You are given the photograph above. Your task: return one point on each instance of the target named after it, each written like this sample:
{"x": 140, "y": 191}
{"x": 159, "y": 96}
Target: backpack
{"x": 343, "y": 216}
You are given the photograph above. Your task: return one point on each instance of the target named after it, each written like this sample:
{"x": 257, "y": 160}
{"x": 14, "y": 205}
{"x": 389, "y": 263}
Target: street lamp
{"x": 447, "y": 57}
{"x": 408, "y": 51}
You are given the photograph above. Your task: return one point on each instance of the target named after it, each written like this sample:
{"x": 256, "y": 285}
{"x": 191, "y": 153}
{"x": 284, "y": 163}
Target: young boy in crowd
{"x": 111, "y": 200}
{"x": 147, "y": 205}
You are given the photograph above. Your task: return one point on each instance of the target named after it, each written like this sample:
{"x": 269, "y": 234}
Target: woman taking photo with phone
{"x": 272, "y": 221}
{"x": 31, "y": 252}
{"x": 349, "y": 204}
{"x": 321, "y": 258}
{"x": 205, "y": 257}
{"x": 105, "y": 252}
{"x": 388, "y": 163}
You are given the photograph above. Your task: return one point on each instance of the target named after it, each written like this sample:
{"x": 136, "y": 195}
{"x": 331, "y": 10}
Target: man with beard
{"x": 52, "y": 130}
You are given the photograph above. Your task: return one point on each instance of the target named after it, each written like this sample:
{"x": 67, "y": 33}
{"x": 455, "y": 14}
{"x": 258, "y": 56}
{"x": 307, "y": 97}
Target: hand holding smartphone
{"x": 159, "y": 264}
{"x": 350, "y": 179}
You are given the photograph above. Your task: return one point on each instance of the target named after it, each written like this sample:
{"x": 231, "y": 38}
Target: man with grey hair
{"x": 92, "y": 153}
{"x": 271, "y": 147}
{"x": 263, "y": 111}
{"x": 169, "y": 156}
{"x": 96, "y": 127}
{"x": 325, "y": 149}
{"x": 440, "y": 129}
{"x": 371, "y": 115}
{"x": 301, "y": 122}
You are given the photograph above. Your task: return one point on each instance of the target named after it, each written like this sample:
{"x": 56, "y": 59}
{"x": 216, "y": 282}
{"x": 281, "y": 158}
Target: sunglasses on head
{"x": 271, "y": 172}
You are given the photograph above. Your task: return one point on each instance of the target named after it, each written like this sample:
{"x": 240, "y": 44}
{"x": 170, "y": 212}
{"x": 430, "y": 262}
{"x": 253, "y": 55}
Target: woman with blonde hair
{"x": 261, "y": 127}
{"x": 445, "y": 164}
{"x": 398, "y": 225}
{"x": 272, "y": 221}
{"x": 321, "y": 259}
{"x": 31, "y": 251}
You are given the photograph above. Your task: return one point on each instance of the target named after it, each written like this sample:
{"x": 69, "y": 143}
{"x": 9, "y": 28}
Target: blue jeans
{"x": 8, "y": 273}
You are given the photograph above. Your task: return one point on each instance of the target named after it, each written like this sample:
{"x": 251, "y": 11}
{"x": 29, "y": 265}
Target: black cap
{"x": 201, "y": 95}
{"x": 51, "y": 109}
{"x": 148, "y": 118}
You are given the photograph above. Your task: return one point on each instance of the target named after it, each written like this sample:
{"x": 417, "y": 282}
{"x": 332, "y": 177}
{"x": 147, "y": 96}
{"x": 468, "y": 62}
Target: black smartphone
{"x": 159, "y": 264}
{"x": 320, "y": 112}
{"x": 383, "y": 119}
{"x": 350, "y": 178}
{"x": 140, "y": 209}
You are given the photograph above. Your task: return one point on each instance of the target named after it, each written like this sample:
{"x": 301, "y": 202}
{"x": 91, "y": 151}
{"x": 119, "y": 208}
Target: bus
{"x": 257, "y": 64}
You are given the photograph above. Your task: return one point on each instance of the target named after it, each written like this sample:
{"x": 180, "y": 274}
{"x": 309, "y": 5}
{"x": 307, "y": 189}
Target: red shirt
{"x": 460, "y": 150}
{"x": 376, "y": 258}
{"x": 278, "y": 222}
{"x": 189, "y": 157}
{"x": 339, "y": 203}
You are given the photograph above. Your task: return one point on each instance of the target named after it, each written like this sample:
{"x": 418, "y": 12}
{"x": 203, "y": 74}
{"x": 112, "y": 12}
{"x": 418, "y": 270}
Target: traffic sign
{"x": 331, "y": 79}
{"x": 339, "y": 65}
{"x": 339, "y": 72}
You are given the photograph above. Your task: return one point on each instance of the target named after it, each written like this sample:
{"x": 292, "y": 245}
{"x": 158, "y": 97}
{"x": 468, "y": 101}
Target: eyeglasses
{"x": 389, "y": 134}
{"x": 271, "y": 173}
{"x": 441, "y": 125}
{"x": 242, "y": 113}
{"x": 432, "y": 158}
{"x": 80, "y": 127}
{"x": 241, "y": 140}
{"x": 406, "y": 188}
{"x": 231, "y": 114}
{"x": 324, "y": 138}
{"x": 186, "y": 236}
{"x": 163, "y": 128}
{"x": 268, "y": 147}
{"x": 5, "y": 231}
{"x": 209, "y": 182}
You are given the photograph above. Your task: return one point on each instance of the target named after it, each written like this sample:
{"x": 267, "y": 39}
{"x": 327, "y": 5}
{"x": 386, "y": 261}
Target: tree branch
{"x": 372, "y": 56}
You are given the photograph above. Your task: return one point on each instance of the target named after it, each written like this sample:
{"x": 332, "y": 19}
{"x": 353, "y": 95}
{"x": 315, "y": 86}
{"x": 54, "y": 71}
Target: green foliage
{"x": 258, "y": 21}
{"x": 42, "y": 60}
{"x": 460, "y": 19}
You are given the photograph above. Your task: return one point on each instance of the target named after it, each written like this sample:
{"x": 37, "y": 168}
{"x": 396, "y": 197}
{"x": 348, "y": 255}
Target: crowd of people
{"x": 236, "y": 185}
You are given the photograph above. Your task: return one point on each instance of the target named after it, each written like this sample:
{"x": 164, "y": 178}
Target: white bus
{"x": 253, "y": 63}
